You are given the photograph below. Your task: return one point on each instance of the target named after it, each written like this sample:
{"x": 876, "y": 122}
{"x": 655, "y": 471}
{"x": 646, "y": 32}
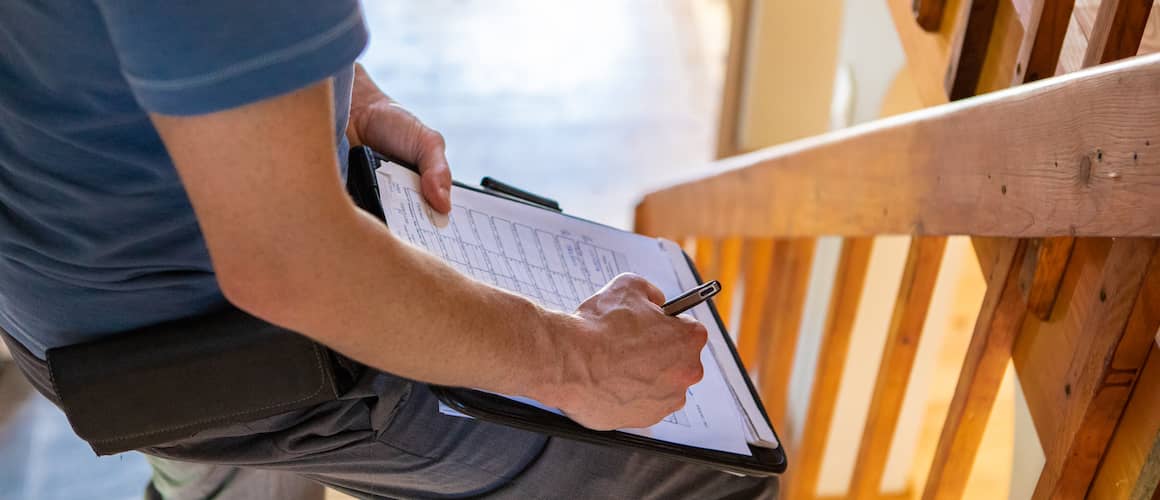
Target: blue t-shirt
{"x": 97, "y": 235}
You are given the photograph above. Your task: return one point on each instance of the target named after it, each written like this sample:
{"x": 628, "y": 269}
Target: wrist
{"x": 551, "y": 381}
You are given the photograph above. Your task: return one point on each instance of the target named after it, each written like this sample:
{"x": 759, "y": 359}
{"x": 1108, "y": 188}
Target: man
{"x": 158, "y": 159}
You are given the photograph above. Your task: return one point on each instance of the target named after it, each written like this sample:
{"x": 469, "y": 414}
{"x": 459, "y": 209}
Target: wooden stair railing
{"x": 1057, "y": 180}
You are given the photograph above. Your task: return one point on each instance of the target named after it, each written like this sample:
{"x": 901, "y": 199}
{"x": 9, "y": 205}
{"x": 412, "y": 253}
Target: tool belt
{"x": 167, "y": 382}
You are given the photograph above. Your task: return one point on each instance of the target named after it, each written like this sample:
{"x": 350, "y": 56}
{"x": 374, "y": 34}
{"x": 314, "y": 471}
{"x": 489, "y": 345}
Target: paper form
{"x": 558, "y": 261}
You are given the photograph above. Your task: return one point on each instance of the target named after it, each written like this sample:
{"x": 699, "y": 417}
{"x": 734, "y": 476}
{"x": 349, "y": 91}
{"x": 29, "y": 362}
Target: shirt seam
{"x": 250, "y": 65}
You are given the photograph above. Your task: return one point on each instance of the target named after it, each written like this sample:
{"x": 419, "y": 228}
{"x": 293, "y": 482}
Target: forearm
{"x": 389, "y": 305}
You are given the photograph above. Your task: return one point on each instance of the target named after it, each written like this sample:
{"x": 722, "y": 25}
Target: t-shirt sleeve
{"x": 199, "y": 56}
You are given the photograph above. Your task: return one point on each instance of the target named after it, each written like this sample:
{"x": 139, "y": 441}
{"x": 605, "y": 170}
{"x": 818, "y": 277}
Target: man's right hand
{"x": 627, "y": 363}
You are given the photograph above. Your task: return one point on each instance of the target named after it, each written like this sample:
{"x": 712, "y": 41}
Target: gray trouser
{"x": 385, "y": 438}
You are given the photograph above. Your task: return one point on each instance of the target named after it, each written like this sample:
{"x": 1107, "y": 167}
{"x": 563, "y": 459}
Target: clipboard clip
{"x": 491, "y": 184}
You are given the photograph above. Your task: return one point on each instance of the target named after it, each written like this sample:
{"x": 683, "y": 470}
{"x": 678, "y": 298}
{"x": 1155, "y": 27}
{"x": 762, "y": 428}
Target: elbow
{"x": 260, "y": 289}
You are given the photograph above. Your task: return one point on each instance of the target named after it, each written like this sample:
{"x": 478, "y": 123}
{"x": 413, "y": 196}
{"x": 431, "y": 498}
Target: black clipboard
{"x": 363, "y": 187}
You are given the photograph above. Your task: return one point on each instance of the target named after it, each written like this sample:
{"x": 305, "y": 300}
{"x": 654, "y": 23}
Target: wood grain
{"x": 969, "y": 48}
{"x": 928, "y": 14}
{"x": 902, "y": 338}
{"x": 729, "y": 117}
{"x": 1116, "y": 337}
{"x": 759, "y": 270}
{"x": 783, "y": 315}
{"x": 1116, "y": 33}
{"x": 729, "y": 274}
{"x": 1050, "y": 28}
{"x": 705, "y": 257}
{"x": 1131, "y": 466}
{"x": 999, "y": 320}
{"x": 1017, "y": 162}
{"x": 1042, "y": 273}
{"x": 845, "y": 298}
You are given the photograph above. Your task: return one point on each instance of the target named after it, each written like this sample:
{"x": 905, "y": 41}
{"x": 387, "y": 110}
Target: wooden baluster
{"x": 1116, "y": 34}
{"x": 1000, "y": 319}
{"x": 1131, "y": 467}
{"x": 705, "y": 257}
{"x": 759, "y": 270}
{"x": 783, "y": 314}
{"x": 928, "y": 14}
{"x": 902, "y": 339}
{"x": 849, "y": 279}
{"x": 1114, "y": 341}
{"x": 969, "y": 47}
{"x": 729, "y": 274}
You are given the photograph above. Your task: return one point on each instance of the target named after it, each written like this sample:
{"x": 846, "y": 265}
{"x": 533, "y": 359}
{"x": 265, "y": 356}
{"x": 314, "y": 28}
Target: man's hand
{"x": 626, "y": 363}
{"x": 378, "y": 121}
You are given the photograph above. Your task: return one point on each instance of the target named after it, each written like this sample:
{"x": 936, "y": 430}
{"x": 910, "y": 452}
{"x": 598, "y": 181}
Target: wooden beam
{"x": 926, "y": 52}
{"x": 849, "y": 279}
{"x": 760, "y": 269}
{"x": 729, "y": 271}
{"x": 1131, "y": 467}
{"x": 1117, "y": 31}
{"x": 705, "y": 257}
{"x": 1044, "y": 270}
{"x": 928, "y": 13}
{"x": 1045, "y": 40}
{"x": 969, "y": 48}
{"x": 729, "y": 118}
{"x": 1014, "y": 163}
{"x": 783, "y": 323}
{"x": 1042, "y": 273}
{"x": 1000, "y": 318}
{"x": 902, "y": 338}
{"x": 1118, "y": 332}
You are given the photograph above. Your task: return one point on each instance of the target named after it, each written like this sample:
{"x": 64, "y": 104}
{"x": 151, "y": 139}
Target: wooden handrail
{"x": 1072, "y": 155}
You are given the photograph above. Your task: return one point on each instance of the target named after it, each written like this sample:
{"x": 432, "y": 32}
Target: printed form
{"x": 558, "y": 261}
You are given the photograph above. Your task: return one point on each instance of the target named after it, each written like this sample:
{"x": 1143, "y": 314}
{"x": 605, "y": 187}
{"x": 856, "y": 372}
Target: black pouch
{"x": 167, "y": 382}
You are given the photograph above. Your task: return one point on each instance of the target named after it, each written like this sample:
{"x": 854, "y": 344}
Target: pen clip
{"x": 491, "y": 184}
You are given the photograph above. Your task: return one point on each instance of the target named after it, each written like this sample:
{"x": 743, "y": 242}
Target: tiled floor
{"x": 590, "y": 102}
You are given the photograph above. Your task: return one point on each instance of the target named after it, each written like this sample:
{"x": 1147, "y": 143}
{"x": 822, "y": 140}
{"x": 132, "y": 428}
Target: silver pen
{"x": 691, "y": 298}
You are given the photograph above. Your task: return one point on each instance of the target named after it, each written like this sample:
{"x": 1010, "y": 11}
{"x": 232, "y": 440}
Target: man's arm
{"x": 289, "y": 246}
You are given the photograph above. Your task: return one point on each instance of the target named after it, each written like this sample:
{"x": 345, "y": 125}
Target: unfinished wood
{"x": 1012, "y": 163}
{"x": 1131, "y": 466}
{"x": 783, "y": 321}
{"x": 969, "y": 47}
{"x": 705, "y": 257}
{"x": 1043, "y": 349}
{"x": 1051, "y": 19}
{"x": 1150, "y": 42}
{"x": 928, "y": 14}
{"x": 1002, "y": 51}
{"x": 1117, "y": 335}
{"x": 729, "y": 117}
{"x": 926, "y": 53}
{"x": 1042, "y": 273}
{"x": 999, "y": 320}
{"x": 759, "y": 270}
{"x": 919, "y": 275}
{"x": 1117, "y": 30}
{"x": 1045, "y": 270}
{"x": 849, "y": 279}
{"x": 729, "y": 274}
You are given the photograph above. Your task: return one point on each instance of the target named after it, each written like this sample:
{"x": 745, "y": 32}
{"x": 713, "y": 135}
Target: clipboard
{"x": 764, "y": 461}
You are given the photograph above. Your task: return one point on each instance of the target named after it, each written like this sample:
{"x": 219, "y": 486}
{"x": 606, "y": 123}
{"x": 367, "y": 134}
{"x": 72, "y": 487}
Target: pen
{"x": 691, "y": 298}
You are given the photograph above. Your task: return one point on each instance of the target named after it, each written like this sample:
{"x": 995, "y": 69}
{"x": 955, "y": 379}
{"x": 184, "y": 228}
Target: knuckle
{"x": 433, "y": 138}
{"x": 698, "y": 335}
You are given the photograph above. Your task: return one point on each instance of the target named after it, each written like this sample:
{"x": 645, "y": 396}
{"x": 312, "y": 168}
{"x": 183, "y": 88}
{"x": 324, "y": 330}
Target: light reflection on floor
{"x": 589, "y": 102}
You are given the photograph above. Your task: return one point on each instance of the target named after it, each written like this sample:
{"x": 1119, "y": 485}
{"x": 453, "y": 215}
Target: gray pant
{"x": 386, "y": 439}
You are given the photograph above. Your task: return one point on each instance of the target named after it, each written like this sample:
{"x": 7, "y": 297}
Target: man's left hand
{"x": 378, "y": 121}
